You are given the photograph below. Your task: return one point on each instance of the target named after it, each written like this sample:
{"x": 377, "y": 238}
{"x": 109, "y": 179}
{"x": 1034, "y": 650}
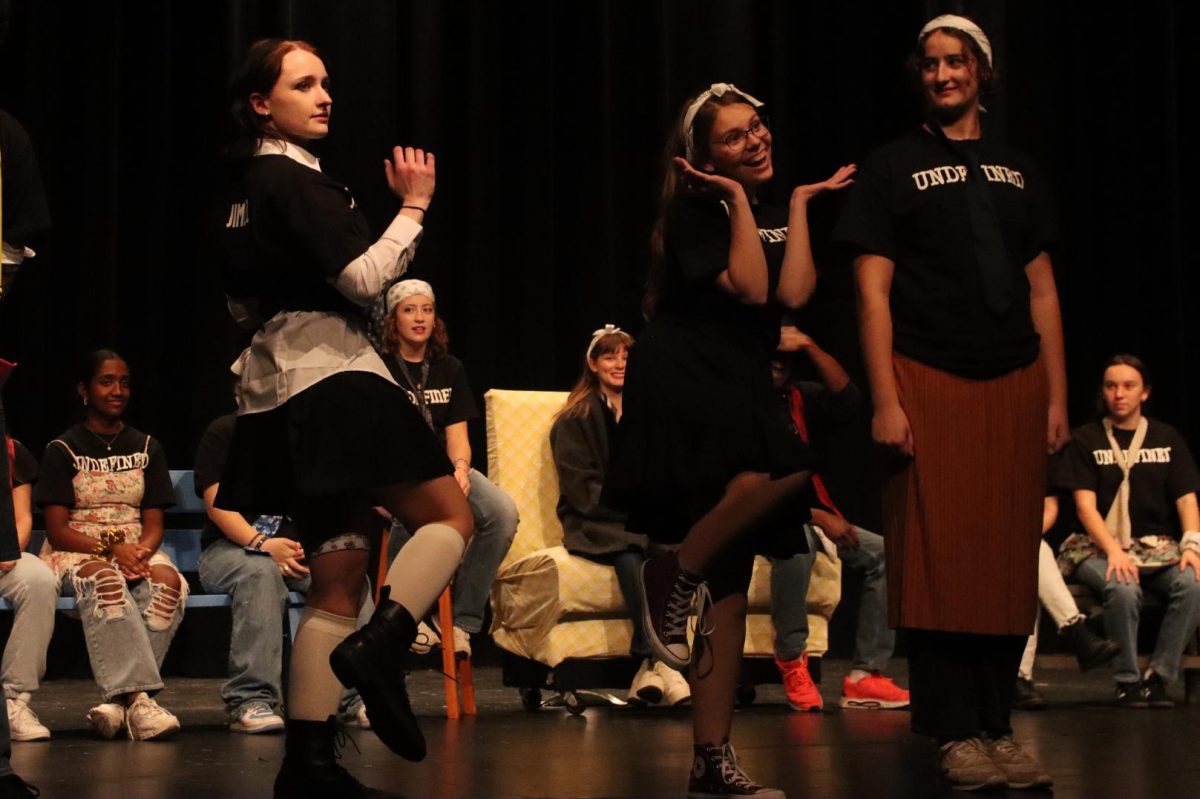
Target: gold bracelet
{"x": 106, "y": 541}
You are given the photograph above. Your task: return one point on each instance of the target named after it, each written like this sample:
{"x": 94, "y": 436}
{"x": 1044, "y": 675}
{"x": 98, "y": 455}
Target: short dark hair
{"x": 91, "y": 363}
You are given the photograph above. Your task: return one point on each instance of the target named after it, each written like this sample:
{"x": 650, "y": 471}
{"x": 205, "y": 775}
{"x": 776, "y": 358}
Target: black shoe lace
{"x": 340, "y": 739}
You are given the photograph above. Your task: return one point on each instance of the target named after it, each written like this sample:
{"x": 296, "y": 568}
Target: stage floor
{"x": 1092, "y": 749}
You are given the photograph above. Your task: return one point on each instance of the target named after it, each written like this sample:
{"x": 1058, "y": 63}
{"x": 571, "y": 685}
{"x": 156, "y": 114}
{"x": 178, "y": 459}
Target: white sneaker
{"x": 647, "y": 687}
{"x": 106, "y": 719}
{"x": 676, "y": 690}
{"x": 462, "y": 642}
{"x": 146, "y": 719}
{"x": 255, "y": 718}
{"x": 427, "y": 638}
{"x": 23, "y": 723}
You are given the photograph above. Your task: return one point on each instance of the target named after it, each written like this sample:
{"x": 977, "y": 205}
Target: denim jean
{"x": 124, "y": 650}
{"x": 31, "y": 588}
{"x": 495, "y": 516}
{"x": 259, "y": 595}
{"x": 1122, "y": 609}
{"x": 628, "y": 565}
{"x": 874, "y": 641}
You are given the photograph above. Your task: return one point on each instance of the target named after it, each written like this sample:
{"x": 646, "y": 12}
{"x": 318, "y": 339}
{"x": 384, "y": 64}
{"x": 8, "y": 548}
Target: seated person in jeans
{"x": 1090, "y": 650}
{"x": 1135, "y": 487}
{"x": 865, "y": 687}
{"x": 102, "y": 489}
{"x": 580, "y": 439}
{"x": 257, "y": 564}
{"x": 30, "y": 586}
{"x": 416, "y": 351}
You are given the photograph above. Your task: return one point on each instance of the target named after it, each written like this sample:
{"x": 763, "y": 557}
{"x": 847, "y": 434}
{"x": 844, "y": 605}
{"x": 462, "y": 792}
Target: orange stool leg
{"x": 449, "y": 662}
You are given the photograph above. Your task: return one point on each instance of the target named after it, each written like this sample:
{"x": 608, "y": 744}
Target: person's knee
{"x": 1187, "y": 588}
{"x": 99, "y": 583}
{"x": 166, "y": 598}
{"x": 37, "y": 581}
{"x": 1122, "y": 595}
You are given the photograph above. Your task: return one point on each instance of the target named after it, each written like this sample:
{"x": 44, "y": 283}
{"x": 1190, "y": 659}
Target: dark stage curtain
{"x": 548, "y": 120}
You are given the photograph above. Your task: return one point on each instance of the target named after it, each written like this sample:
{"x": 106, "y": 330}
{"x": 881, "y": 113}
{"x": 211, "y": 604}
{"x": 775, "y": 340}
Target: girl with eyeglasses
{"x": 702, "y": 458}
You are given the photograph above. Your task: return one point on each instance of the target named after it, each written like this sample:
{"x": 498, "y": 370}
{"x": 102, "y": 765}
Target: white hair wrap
{"x": 408, "y": 288}
{"x": 607, "y": 330}
{"x": 689, "y": 116}
{"x": 960, "y": 24}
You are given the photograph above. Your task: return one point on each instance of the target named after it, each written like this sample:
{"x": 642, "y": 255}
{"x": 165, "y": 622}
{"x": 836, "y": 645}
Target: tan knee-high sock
{"x": 313, "y": 691}
{"x": 424, "y": 567}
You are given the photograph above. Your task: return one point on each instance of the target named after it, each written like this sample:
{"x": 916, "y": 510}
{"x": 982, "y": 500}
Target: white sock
{"x": 857, "y": 674}
{"x": 424, "y": 567}
{"x": 313, "y": 690}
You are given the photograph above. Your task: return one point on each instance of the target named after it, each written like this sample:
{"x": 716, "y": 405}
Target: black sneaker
{"x": 1154, "y": 692}
{"x": 667, "y": 593}
{"x": 1129, "y": 694}
{"x": 1090, "y": 649}
{"x": 1027, "y": 697}
{"x": 717, "y": 775}
{"x": 13, "y": 787}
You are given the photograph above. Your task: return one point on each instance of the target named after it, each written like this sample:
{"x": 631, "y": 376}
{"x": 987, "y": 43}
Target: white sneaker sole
{"x": 43, "y": 735}
{"x": 257, "y": 729}
{"x": 871, "y": 704}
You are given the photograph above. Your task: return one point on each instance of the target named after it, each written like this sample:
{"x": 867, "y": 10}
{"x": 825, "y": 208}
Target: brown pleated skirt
{"x": 963, "y": 517}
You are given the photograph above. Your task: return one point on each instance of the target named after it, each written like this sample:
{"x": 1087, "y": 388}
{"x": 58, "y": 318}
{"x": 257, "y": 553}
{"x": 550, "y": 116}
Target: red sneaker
{"x": 873, "y": 692}
{"x": 802, "y": 693}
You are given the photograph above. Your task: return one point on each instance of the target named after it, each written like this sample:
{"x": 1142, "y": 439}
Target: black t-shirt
{"x": 24, "y": 198}
{"x": 211, "y": 455}
{"x": 1163, "y": 473}
{"x": 909, "y": 205}
{"x": 131, "y": 449}
{"x": 447, "y": 391}
{"x": 288, "y": 230}
{"x": 24, "y": 465}
{"x": 696, "y": 245}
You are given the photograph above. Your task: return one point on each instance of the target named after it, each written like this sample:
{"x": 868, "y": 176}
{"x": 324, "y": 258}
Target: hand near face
{"x": 839, "y": 180}
{"x": 709, "y": 183}
{"x": 792, "y": 340}
{"x": 411, "y": 175}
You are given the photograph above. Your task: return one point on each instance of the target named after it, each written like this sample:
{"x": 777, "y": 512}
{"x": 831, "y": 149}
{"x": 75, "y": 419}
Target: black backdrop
{"x": 548, "y": 120}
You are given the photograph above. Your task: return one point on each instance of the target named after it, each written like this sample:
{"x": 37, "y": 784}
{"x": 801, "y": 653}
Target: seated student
{"x": 256, "y": 562}
{"x": 1090, "y": 649}
{"x": 415, "y": 338}
{"x": 1135, "y": 487}
{"x": 102, "y": 489}
{"x": 579, "y": 439}
{"x": 30, "y": 586}
{"x": 865, "y": 687}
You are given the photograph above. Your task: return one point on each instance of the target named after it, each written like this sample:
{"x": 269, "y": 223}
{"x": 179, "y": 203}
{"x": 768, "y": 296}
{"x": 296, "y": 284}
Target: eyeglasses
{"x": 735, "y": 140}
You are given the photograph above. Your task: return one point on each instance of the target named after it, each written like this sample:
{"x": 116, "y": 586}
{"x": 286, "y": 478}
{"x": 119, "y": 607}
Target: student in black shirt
{"x": 1135, "y": 486}
{"x": 963, "y": 347}
{"x": 324, "y": 434}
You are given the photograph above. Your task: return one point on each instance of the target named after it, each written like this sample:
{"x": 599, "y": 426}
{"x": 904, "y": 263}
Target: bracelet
{"x": 466, "y": 464}
{"x": 415, "y": 208}
{"x": 1190, "y": 541}
{"x": 106, "y": 541}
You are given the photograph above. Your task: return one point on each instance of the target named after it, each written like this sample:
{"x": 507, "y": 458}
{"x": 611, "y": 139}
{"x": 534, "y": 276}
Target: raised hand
{"x": 839, "y": 180}
{"x": 411, "y": 175}
{"x": 722, "y": 188}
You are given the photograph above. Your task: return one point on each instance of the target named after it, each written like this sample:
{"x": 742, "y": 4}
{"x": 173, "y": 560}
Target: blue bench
{"x": 181, "y": 542}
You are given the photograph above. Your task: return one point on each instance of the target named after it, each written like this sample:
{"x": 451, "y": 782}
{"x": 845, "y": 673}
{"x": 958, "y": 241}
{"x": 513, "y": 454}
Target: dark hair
{"x": 439, "y": 339}
{"x": 91, "y": 363}
{"x": 989, "y": 79}
{"x": 258, "y": 74}
{"x": 588, "y": 381}
{"x": 1121, "y": 359}
{"x": 702, "y": 125}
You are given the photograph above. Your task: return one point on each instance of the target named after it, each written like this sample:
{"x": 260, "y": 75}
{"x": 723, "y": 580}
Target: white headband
{"x": 405, "y": 289}
{"x": 689, "y": 116}
{"x": 607, "y": 330}
{"x": 960, "y": 24}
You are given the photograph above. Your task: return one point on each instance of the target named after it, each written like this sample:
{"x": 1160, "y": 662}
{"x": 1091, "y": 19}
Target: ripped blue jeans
{"x": 128, "y": 628}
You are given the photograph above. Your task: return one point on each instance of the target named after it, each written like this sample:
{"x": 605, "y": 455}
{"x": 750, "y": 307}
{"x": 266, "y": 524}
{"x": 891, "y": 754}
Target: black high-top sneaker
{"x": 667, "y": 593}
{"x": 369, "y": 660}
{"x": 310, "y": 769}
{"x": 717, "y": 775}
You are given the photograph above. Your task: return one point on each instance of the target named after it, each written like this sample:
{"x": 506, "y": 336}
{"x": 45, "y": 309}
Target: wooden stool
{"x": 455, "y": 673}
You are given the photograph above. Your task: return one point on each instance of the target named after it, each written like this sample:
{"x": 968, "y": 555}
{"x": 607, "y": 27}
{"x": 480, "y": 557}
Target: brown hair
{"x": 1121, "y": 359}
{"x": 588, "y": 383}
{"x": 985, "y": 73}
{"x": 258, "y": 74}
{"x": 702, "y": 125}
{"x": 439, "y": 340}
